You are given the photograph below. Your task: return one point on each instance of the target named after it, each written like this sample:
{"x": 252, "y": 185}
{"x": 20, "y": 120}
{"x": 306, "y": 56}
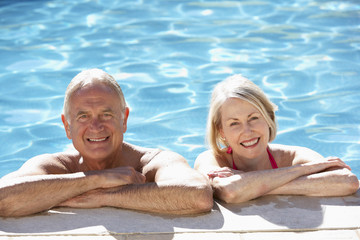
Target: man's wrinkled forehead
{"x": 87, "y": 93}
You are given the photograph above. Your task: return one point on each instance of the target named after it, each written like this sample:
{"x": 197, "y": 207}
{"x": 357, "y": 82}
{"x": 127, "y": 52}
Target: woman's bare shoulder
{"x": 283, "y": 154}
{"x": 288, "y": 155}
{"x": 208, "y": 158}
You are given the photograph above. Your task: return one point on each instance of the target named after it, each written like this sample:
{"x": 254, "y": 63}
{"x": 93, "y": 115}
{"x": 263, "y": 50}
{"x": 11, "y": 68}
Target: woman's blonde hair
{"x": 237, "y": 86}
{"x": 90, "y": 76}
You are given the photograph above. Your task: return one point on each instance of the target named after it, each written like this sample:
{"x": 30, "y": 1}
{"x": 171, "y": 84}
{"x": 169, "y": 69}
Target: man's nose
{"x": 96, "y": 124}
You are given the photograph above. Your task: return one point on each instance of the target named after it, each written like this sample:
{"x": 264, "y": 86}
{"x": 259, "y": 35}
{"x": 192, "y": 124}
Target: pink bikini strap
{"x": 272, "y": 160}
{"x": 229, "y": 151}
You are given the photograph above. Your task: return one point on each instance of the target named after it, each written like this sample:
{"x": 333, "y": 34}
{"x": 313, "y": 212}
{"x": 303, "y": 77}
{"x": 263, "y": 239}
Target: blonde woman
{"x": 243, "y": 165}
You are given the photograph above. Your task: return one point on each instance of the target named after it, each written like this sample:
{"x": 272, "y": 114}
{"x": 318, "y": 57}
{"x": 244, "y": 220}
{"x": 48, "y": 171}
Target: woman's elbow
{"x": 348, "y": 183}
{"x": 227, "y": 194}
{"x": 205, "y": 202}
{"x": 228, "y": 197}
{"x": 353, "y": 184}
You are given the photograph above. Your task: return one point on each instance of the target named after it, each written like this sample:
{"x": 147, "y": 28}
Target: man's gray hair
{"x": 91, "y": 76}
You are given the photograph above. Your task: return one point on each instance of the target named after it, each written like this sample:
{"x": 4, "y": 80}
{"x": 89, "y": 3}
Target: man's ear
{"x": 66, "y": 126}
{"x": 126, "y": 115}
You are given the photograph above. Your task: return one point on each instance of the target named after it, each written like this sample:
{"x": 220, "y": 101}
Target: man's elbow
{"x": 8, "y": 213}
{"x": 9, "y": 208}
{"x": 6, "y": 210}
{"x": 11, "y": 212}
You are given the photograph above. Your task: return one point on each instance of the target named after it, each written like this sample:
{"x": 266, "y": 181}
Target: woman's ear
{"x": 222, "y": 135}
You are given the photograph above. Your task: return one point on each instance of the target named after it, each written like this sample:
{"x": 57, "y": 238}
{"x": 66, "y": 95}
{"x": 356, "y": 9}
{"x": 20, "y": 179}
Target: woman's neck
{"x": 261, "y": 162}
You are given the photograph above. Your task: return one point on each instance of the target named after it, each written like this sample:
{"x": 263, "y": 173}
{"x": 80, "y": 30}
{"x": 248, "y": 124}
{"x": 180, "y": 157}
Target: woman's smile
{"x": 250, "y": 143}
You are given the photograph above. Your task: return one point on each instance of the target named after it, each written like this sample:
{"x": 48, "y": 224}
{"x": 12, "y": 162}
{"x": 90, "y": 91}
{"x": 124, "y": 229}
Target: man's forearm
{"x": 162, "y": 198}
{"x": 32, "y": 194}
{"x": 151, "y": 197}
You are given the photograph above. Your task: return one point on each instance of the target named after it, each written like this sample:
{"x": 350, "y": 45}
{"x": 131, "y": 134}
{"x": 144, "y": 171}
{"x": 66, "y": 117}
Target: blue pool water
{"x": 167, "y": 56}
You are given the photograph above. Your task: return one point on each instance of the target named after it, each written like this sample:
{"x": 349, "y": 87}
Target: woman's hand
{"x": 340, "y": 162}
{"x": 222, "y": 172}
{"x": 329, "y": 163}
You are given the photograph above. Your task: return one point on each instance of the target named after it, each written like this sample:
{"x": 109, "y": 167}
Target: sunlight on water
{"x": 168, "y": 55}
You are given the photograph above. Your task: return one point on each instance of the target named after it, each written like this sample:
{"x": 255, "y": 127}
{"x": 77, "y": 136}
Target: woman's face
{"x": 244, "y": 128}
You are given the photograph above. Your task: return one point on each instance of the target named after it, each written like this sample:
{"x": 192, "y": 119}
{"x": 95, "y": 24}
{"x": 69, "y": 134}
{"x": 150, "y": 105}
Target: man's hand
{"x": 91, "y": 199}
{"x": 119, "y": 176}
{"x": 111, "y": 179}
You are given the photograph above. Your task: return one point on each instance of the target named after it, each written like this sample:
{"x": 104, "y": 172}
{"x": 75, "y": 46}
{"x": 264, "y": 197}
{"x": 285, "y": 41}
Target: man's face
{"x": 96, "y": 122}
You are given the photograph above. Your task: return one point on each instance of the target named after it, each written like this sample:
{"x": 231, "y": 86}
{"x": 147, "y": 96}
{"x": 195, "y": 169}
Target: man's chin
{"x": 96, "y": 155}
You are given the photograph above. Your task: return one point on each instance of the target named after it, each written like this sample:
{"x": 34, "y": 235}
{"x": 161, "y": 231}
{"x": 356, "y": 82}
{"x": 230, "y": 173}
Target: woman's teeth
{"x": 250, "y": 143}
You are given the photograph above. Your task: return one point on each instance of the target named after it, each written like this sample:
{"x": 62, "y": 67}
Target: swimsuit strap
{"x": 234, "y": 166}
{"x": 272, "y": 159}
{"x": 229, "y": 151}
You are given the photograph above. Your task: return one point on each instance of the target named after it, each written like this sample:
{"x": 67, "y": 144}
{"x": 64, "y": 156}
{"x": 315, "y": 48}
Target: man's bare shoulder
{"x": 49, "y": 163}
{"x": 143, "y": 155}
{"x": 68, "y": 159}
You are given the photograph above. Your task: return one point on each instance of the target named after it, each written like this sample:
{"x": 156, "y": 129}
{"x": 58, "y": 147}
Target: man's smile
{"x": 97, "y": 139}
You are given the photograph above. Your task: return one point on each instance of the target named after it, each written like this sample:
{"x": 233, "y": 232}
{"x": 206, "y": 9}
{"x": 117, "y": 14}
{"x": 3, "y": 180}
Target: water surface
{"x": 168, "y": 55}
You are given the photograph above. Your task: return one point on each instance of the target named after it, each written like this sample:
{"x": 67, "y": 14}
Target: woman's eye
{"x": 233, "y": 124}
{"x": 254, "y": 118}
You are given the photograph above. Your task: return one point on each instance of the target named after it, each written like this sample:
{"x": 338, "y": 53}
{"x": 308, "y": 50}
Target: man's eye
{"x": 107, "y": 115}
{"x": 82, "y": 117}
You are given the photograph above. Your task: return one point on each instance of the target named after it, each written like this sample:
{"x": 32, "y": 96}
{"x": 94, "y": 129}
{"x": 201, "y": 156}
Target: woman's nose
{"x": 247, "y": 128}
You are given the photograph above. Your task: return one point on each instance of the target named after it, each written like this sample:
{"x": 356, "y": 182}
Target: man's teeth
{"x": 97, "y": 139}
{"x": 247, "y": 144}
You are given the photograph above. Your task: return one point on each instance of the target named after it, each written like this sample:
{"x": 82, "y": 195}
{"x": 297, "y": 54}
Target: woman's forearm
{"x": 340, "y": 182}
{"x": 249, "y": 185}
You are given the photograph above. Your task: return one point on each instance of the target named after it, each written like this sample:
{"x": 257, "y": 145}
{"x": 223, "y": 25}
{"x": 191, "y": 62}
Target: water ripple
{"x": 168, "y": 55}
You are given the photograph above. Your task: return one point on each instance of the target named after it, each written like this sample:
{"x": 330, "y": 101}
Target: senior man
{"x": 103, "y": 170}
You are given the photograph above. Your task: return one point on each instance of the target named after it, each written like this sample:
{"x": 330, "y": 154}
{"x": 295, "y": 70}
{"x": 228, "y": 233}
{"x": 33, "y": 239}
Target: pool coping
{"x": 276, "y": 217}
